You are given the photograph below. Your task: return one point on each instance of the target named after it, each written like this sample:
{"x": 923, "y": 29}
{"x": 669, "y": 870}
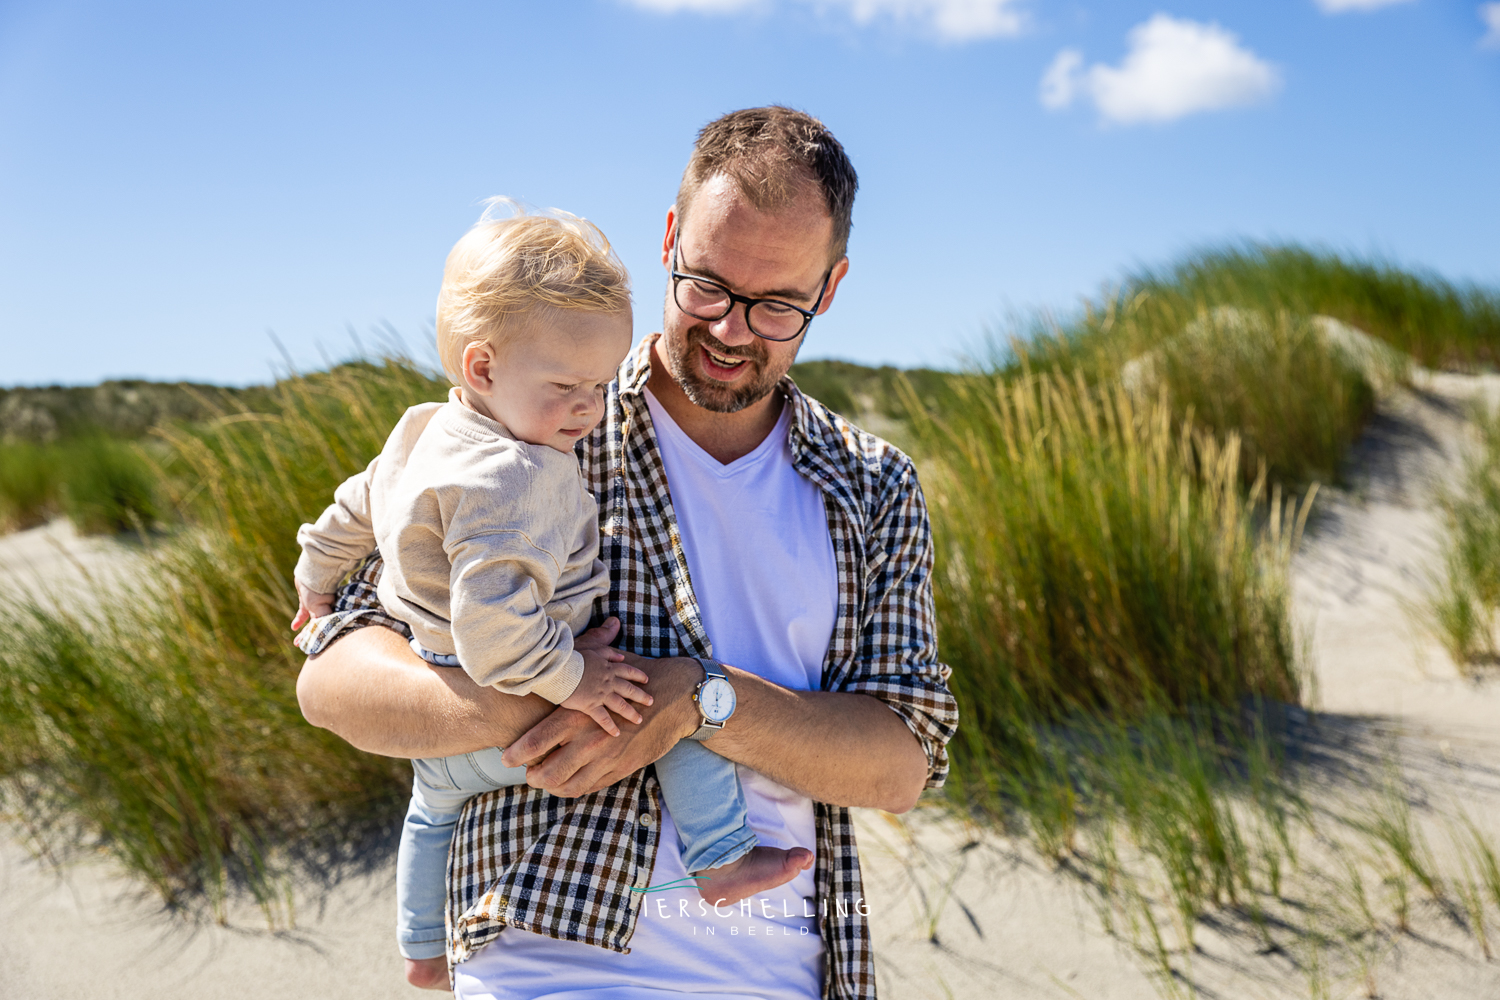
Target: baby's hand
{"x": 605, "y": 688}
{"x": 311, "y": 605}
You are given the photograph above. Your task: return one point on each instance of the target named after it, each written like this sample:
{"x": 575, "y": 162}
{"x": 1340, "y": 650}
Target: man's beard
{"x": 711, "y": 394}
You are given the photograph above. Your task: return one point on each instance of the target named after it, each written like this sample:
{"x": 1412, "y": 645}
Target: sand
{"x": 54, "y": 563}
{"x": 955, "y": 911}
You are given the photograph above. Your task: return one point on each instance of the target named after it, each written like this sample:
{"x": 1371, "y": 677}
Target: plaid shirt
{"x": 564, "y": 867}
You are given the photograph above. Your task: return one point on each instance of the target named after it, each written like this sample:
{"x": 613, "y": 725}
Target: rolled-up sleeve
{"x": 897, "y": 658}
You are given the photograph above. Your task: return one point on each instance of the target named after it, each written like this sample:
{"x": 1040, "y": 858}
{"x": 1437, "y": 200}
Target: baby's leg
{"x": 707, "y": 804}
{"x": 439, "y": 791}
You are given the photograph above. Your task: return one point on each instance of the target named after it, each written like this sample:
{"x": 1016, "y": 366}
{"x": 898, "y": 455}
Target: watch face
{"x": 716, "y": 698}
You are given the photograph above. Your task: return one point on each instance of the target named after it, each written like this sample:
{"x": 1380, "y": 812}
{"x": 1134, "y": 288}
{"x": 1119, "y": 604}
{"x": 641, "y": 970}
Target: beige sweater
{"x": 491, "y": 546}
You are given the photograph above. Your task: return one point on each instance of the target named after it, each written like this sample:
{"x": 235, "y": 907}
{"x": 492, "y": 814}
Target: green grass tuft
{"x": 1095, "y": 555}
{"x": 1420, "y": 314}
{"x": 101, "y": 483}
{"x": 1248, "y": 342}
{"x": 164, "y": 716}
{"x": 1466, "y": 595}
{"x": 28, "y": 485}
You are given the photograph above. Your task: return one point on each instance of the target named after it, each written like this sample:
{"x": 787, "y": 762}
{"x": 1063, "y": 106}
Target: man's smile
{"x": 727, "y": 362}
{"x": 723, "y": 367}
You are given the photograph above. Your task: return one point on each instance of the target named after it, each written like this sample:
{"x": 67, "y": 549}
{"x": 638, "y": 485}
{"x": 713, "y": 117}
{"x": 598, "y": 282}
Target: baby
{"x": 491, "y": 546}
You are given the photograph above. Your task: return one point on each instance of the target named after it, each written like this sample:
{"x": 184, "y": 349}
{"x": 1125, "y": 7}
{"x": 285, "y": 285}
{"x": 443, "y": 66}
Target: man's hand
{"x": 568, "y": 755}
{"x": 311, "y": 605}
{"x": 799, "y": 739}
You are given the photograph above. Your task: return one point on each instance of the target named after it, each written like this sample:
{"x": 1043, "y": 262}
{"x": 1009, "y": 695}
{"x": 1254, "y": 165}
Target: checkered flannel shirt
{"x": 526, "y": 859}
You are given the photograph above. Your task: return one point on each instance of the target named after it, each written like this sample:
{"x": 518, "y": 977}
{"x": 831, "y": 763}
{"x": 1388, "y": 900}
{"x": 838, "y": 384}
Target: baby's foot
{"x": 763, "y": 868}
{"x": 427, "y": 973}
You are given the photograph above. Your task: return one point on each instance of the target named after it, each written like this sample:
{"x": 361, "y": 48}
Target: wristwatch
{"x": 714, "y": 698}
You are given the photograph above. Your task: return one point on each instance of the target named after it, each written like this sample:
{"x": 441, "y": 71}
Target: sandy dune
{"x": 955, "y": 912}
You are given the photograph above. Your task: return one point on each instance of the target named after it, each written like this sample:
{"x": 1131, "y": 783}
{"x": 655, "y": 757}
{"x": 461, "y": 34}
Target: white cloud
{"x": 957, "y": 20}
{"x": 1173, "y": 68}
{"x": 1490, "y": 14}
{"x": 952, "y": 20}
{"x": 1344, "y": 6}
{"x": 1062, "y": 81}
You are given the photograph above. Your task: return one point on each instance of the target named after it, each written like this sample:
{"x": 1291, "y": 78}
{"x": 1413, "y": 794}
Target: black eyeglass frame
{"x": 807, "y": 314}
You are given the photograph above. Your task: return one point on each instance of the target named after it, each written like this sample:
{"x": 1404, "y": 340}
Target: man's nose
{"x": 733, "y": 329}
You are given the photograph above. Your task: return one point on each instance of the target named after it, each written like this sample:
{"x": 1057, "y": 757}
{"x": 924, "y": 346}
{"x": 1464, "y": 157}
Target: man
{"x": 762, "y": 550}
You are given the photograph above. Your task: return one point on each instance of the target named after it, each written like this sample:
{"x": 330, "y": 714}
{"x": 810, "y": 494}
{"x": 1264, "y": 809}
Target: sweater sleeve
{"x": 342, "y": 536}
{"x": 501, "y": 630}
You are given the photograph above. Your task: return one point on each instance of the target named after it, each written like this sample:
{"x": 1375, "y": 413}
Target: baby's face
{"x": 549, "y": 380}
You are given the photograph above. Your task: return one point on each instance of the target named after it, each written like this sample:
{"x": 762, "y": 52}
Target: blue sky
{"x": 178, "y": 180}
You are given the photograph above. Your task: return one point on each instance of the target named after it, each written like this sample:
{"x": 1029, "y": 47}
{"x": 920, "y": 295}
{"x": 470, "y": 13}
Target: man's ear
{"x": 479, "y": 367}
{"x": 834, "y": 277}
{"x": 666, "y": 241}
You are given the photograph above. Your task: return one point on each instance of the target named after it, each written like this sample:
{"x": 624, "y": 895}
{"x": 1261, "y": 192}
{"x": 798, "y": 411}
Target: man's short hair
{"x": 503, "y": 270}
{"x": 773, "y": 154}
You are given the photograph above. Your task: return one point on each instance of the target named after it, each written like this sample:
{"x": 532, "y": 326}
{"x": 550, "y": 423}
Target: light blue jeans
{"x": 702, "y": 792}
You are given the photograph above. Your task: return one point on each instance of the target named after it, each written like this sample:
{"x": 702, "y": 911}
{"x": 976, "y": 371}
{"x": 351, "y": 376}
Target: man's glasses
{"x": 769, "y": 319}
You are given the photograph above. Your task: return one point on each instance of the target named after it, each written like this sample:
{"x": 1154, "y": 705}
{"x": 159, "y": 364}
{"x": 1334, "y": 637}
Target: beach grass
{"x": 1111, "y": 599}
{"x": 1097, "y": 555}
{"x": 1465, "y": 597}
{"x": 28, "y": 485}
{"x": 1419, "y": 314}
{"x": 1437, "y": 323}
{"x": 103, "y": 484}
{"x": 1240, "y": 348}
{"x": 161, "y": 717}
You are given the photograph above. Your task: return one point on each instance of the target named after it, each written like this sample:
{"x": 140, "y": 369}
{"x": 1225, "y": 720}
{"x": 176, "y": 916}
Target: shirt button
{"x": 647, "y": 821}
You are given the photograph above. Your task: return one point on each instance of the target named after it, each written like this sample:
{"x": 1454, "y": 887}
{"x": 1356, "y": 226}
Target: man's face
{"x": 720, "y": 365}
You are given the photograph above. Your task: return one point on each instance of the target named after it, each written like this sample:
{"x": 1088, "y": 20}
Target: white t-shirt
{"x": 762, "y": 565}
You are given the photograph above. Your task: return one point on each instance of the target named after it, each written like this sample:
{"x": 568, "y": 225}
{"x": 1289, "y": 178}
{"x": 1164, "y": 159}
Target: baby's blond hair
{"x": 504, "y": 269}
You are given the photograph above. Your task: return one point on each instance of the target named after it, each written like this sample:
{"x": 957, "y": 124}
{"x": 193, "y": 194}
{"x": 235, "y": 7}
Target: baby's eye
{"x": 566, "y": 388}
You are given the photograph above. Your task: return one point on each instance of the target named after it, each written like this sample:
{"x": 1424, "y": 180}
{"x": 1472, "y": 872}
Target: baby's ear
{"x": 479, "y": 367}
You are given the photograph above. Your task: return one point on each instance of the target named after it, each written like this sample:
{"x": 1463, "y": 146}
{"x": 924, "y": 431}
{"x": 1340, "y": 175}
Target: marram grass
{"x": 1466, "y": 594}
{"x": 1110, "y": 599}
{"x": 101, "y": 483}
{"x": 162, "y": 715}
{"x": 1094, "y": 554}
{"x": 1419, "y": 313}
{"x": 1294, "y": 388}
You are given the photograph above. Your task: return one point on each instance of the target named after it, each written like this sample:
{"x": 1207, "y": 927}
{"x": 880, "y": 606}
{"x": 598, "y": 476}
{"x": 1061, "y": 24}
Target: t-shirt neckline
{"x": 770, "y": 446}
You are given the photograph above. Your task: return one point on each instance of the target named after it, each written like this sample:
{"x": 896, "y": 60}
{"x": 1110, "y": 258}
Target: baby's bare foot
{"x": 427, "y": 973}
{"x": 763, "y": 868}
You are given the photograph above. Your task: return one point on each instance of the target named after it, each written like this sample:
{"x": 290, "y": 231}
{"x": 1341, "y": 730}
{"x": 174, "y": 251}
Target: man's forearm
{"x": 372, "y": 690}
{"x": 843, "y": 748}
